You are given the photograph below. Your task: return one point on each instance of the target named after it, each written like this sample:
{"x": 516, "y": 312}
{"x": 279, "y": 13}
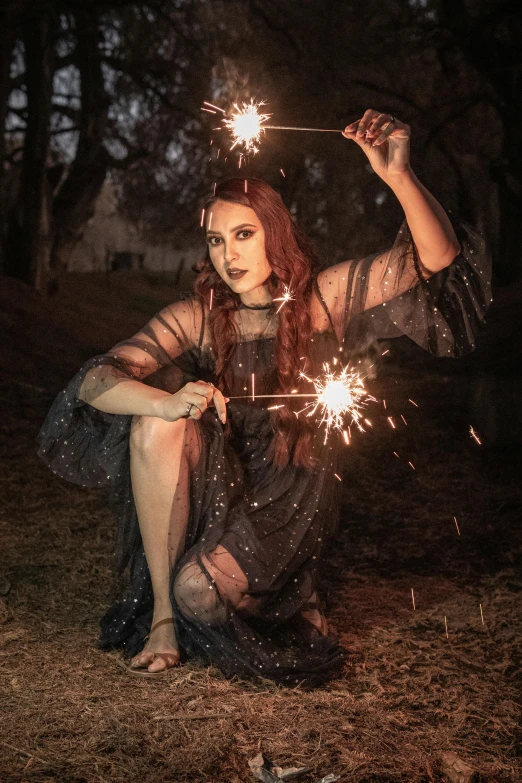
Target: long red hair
{"x": 293, "y": 262}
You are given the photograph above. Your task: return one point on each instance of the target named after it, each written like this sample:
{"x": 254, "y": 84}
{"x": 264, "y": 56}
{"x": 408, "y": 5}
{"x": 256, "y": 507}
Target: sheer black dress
{"x": 277, "y": 524}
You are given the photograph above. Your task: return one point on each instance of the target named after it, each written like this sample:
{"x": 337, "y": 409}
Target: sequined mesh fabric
{"x": 232, "y": 503}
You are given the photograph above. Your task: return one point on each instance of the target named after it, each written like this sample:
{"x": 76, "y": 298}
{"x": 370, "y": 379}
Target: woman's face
{"x": 236, "y": 241}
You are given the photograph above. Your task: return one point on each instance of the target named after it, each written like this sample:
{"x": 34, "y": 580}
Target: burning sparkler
{"x": 338, "y": 395}
{"x": 247, "y": 124}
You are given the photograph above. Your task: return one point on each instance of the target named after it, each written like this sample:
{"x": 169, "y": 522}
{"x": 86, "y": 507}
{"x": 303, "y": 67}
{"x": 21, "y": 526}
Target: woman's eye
{"x": 214, "y": 241}
{"x": 245, "y": 234}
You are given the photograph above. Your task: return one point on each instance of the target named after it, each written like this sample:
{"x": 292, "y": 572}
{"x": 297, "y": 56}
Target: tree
{"x": 88, "y": 75}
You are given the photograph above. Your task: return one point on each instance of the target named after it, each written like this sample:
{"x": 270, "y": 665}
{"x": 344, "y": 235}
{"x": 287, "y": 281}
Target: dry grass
{"x": 70, "y": 712}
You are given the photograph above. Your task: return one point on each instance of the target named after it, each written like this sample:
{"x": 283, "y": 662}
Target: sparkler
{"x": 338, "y": 395}
{"x": 247, "y": 124}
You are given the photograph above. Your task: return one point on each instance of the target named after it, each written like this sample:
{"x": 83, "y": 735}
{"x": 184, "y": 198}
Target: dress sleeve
{"x": 390, "y": 294}
{"x": 87, "y": 446}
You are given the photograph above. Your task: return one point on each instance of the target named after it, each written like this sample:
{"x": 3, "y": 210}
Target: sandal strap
{"x": 161, "y": 622}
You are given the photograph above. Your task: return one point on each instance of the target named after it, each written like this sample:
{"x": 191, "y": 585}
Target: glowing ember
{"x": 475, "y": 436}
{"x": 456, "y": 525}
{"x": 246, "y": 125}
{"x": 413, "y": 599}
{"x": 339, "y": 395}
{"x": 287, "y": 296}
{"x": 482, "y": 614}
{"x": 337, "y": 477}
{"x": 446, "y": 626}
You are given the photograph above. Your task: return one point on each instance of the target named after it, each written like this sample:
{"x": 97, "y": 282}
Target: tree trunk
{"x": 75, "y": 202}
{"x": 8, "y": 24}
{"x": 29, "y": 233}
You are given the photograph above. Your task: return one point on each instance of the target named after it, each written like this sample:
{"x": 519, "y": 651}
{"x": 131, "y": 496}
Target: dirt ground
{"x": 428, "y": 689}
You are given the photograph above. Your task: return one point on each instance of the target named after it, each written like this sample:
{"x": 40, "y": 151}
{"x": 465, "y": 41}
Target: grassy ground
{"x": 412, "y": 693}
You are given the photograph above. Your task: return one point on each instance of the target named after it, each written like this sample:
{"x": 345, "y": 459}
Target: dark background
{"x": 90, "y": 90}
{"x": 98, "y": 90}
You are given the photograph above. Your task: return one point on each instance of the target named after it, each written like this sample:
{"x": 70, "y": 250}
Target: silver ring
{"x": 189, "y": 408}
{"x": 391, "y": 121}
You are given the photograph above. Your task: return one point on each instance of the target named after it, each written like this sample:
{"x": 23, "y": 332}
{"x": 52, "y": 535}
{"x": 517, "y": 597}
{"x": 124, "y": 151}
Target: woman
{"x": 226, "y": 505}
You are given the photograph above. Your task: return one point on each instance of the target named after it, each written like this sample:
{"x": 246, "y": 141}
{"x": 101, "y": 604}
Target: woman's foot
{"x": 312, "y": 612}
{"x": 161, "y": 650}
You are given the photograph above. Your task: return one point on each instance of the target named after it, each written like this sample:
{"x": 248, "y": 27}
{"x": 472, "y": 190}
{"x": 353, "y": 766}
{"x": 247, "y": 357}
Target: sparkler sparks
{"x": 456, "y": 525}
{"x": 287, "y": 296}
{"x": 246, "y": 125}
{"x": 339, "y": 394}
{"x": 413, "y": 599}
{"x": 474, "y": 435}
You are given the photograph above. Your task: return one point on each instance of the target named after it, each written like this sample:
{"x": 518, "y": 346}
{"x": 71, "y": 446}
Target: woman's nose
{"x": 231, "y": 253}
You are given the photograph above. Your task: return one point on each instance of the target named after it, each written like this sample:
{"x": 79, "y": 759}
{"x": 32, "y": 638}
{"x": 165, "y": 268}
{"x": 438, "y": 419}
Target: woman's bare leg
{"x": 159, "y": 474}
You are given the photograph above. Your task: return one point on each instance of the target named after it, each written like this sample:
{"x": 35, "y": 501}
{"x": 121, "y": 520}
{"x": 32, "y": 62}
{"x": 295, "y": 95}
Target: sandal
{"x": 169, "y": 658}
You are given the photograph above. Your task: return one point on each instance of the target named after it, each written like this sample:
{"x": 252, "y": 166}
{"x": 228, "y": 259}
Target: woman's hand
{"x": 191, "y": 402}
{"x": 385, "y": 143}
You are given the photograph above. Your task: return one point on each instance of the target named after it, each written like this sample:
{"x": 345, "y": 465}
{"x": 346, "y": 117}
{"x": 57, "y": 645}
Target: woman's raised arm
{"x": 435, "y": 286}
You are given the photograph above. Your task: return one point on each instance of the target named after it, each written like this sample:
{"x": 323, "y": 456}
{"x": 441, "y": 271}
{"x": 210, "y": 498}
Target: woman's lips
{"x": 237, "y": 275}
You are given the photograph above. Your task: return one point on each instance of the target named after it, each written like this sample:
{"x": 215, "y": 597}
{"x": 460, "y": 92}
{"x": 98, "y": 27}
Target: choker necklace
{"x": 257, "y": 307}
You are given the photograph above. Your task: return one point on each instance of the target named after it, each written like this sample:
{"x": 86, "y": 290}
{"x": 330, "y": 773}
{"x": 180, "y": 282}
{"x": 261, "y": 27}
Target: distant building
{"x": 111, "y": 242}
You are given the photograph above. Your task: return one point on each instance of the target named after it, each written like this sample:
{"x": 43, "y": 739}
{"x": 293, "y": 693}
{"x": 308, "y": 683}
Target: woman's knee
{"x": 147, "y": 432}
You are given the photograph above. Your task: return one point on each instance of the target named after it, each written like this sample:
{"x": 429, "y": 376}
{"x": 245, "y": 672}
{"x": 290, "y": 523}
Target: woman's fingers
{"x": 370, "y": 125}
{"x": 365, "y": 121}
{"x": 221, "y": 408}
{"x": 198, "y": 403}
{"x": 211, "y": 396}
